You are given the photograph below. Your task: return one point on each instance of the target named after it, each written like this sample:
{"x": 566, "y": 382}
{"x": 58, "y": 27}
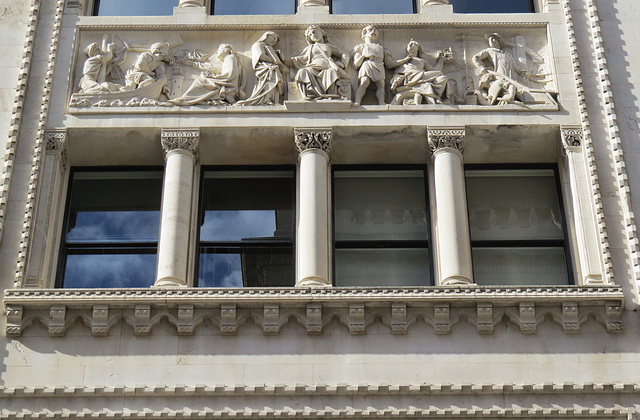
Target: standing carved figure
{"x": 268, "y": 64}
{"x": 501, "y": 61}
{"x": 369, "y": 58}
{"x": 150, "y": 67}
{"x": 415, "y": 78}
{"x": 318, "y": 70}
{"x": 94, "y": 70}
{"x": 212, "y": 87}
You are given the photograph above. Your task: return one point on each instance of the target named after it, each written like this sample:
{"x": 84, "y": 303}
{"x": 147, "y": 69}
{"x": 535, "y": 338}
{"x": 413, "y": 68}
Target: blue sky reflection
{"x": 115, "y": 226}
{"x": 253, "y": 7}
{"x": 220, "y": 270}
{"x": 371, "y": 6}
{"x": 109, "y": 270}
{"x": 136, "y": 7}
{"x": 228, "y": 225}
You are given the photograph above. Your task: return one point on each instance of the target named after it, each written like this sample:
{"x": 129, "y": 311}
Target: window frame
{"x": 96, "y": 6}
{"x": 380, "y": 244}
{"x": 145, "y": 247}
{"x": 238, "y": 245}
{"x": 565, "y": 244}
{"x": 415, "y": 10}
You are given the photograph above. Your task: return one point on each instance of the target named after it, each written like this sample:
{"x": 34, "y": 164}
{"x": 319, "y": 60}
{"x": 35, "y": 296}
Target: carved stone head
{"x": 314, "y": 34}
{"x": 494, "y": 40}
{"x": 370, "y": 32}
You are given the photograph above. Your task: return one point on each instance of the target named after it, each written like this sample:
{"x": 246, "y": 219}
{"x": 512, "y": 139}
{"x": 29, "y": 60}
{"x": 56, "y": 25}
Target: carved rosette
{"x": 440, "y": 139}
{"x": 572, "y": 138}
{"x": 188, "y": 140}
{"x": 314, "y": 139}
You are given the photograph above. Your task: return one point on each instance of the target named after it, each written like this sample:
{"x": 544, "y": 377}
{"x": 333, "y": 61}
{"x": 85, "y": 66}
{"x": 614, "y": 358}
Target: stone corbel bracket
{"x": 313, "y": 309}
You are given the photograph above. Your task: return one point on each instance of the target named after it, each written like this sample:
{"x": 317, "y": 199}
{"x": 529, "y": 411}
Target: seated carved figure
{"x": 415, "y": 78}
{"x": 319, "y": 71}
{"x": 211, "y": 87}
{"x": 150, "y": 67}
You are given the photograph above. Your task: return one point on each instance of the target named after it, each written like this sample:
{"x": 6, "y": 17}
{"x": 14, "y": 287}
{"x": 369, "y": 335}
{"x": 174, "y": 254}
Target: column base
{"x": 457, "y": 281}
{"x": 169, "y": 282}
{"x": 313, "y": 282}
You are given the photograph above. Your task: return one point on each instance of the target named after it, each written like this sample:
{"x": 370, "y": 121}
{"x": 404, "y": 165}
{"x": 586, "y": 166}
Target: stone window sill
{"x": 398, "y": 309}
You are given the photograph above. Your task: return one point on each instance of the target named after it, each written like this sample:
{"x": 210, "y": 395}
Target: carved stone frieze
{"x": 178, "y": 139}
{"x": 572, "y": 138}
{"x": 313, "y": 139}
{"x": 271, "y": 309}
{"x": 446, "y": 138}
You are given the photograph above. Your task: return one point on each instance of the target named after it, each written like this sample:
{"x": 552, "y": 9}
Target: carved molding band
{"x": 452, "y": 138}
{"x": 610, "y": 401}
{"x": 314, "y": 139}
{"x": 572, "y": 138}
{"x": 354, "y": 309}
{"x": 180, "y": 139}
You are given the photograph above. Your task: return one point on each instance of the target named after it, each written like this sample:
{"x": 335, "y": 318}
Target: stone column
{"x": 588, "y": 254}
{"x": 180, "y": 148}
{"x": 312, "y": 233}
{"x": 453, "y": 244}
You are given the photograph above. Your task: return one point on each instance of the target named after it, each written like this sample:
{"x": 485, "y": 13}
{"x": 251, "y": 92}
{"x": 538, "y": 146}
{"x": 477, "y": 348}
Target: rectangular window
{"x": 381, "y": 227}
{"x": 348, "y": 7}
{"x": 246, "y": 228}
{"x": 493, "y": 6}
{"x": 111, "y": 229}
{"x": 253, "y": 7}
{"x": 518, "y": 233}
{"x": 134, "y": 8}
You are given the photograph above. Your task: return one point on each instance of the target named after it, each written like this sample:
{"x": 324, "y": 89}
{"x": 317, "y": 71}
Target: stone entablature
{"x": 456, "y": 66}
{"x": 313, "y": 309}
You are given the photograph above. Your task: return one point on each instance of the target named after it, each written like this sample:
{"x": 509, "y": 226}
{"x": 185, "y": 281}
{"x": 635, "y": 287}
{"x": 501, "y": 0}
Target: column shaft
{"x": 175, "y": 222}
{"x": 312, "y": 238}
{"x": 452, "y": 223}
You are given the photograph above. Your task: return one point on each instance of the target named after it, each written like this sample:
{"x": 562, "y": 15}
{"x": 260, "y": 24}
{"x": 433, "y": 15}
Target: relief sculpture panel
{"x": 421, "y": 67}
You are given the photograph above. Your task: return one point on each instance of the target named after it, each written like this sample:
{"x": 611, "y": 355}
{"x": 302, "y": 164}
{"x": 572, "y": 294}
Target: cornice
{"x": 356, "y": 309}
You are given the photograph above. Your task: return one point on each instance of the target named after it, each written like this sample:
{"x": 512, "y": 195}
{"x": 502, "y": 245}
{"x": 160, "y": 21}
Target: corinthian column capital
{"x": 572, "y": 137}
{"x": 314, "y": 139}
{"x": 180, "y": 139}
{"x": 446, "y": 138}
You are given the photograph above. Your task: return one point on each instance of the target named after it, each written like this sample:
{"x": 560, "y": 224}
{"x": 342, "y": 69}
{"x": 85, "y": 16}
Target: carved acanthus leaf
{"x": 313, "y": 139}
{"x": 446, "y": 138}
{"x": 180, "y": 139}
{"x": 55, "y": 139}
{"x": 572, "y": 138}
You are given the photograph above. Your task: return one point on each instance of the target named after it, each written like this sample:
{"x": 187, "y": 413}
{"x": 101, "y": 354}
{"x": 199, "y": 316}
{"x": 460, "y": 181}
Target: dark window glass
{"x": 345, "y": 7}
{"x": 492, "y": 6}
{"x": 381, "y": 228}
{"x": 517, "y": 227}
{"x": 111, "y": 229}
{"x": 254, "y": 7}
{"x": 134, "y": 8}
{"x": 246, "y": 231}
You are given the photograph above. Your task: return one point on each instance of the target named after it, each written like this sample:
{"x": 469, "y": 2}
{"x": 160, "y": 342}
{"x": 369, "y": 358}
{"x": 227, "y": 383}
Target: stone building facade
{"x": 320, "y": 214}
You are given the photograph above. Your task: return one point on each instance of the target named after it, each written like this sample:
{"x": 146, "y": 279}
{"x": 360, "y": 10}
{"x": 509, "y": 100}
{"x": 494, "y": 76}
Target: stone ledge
{"x": 186, "y": 309}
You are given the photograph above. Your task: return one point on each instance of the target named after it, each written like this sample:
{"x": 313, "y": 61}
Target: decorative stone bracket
{"x": 313, "y": 309}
